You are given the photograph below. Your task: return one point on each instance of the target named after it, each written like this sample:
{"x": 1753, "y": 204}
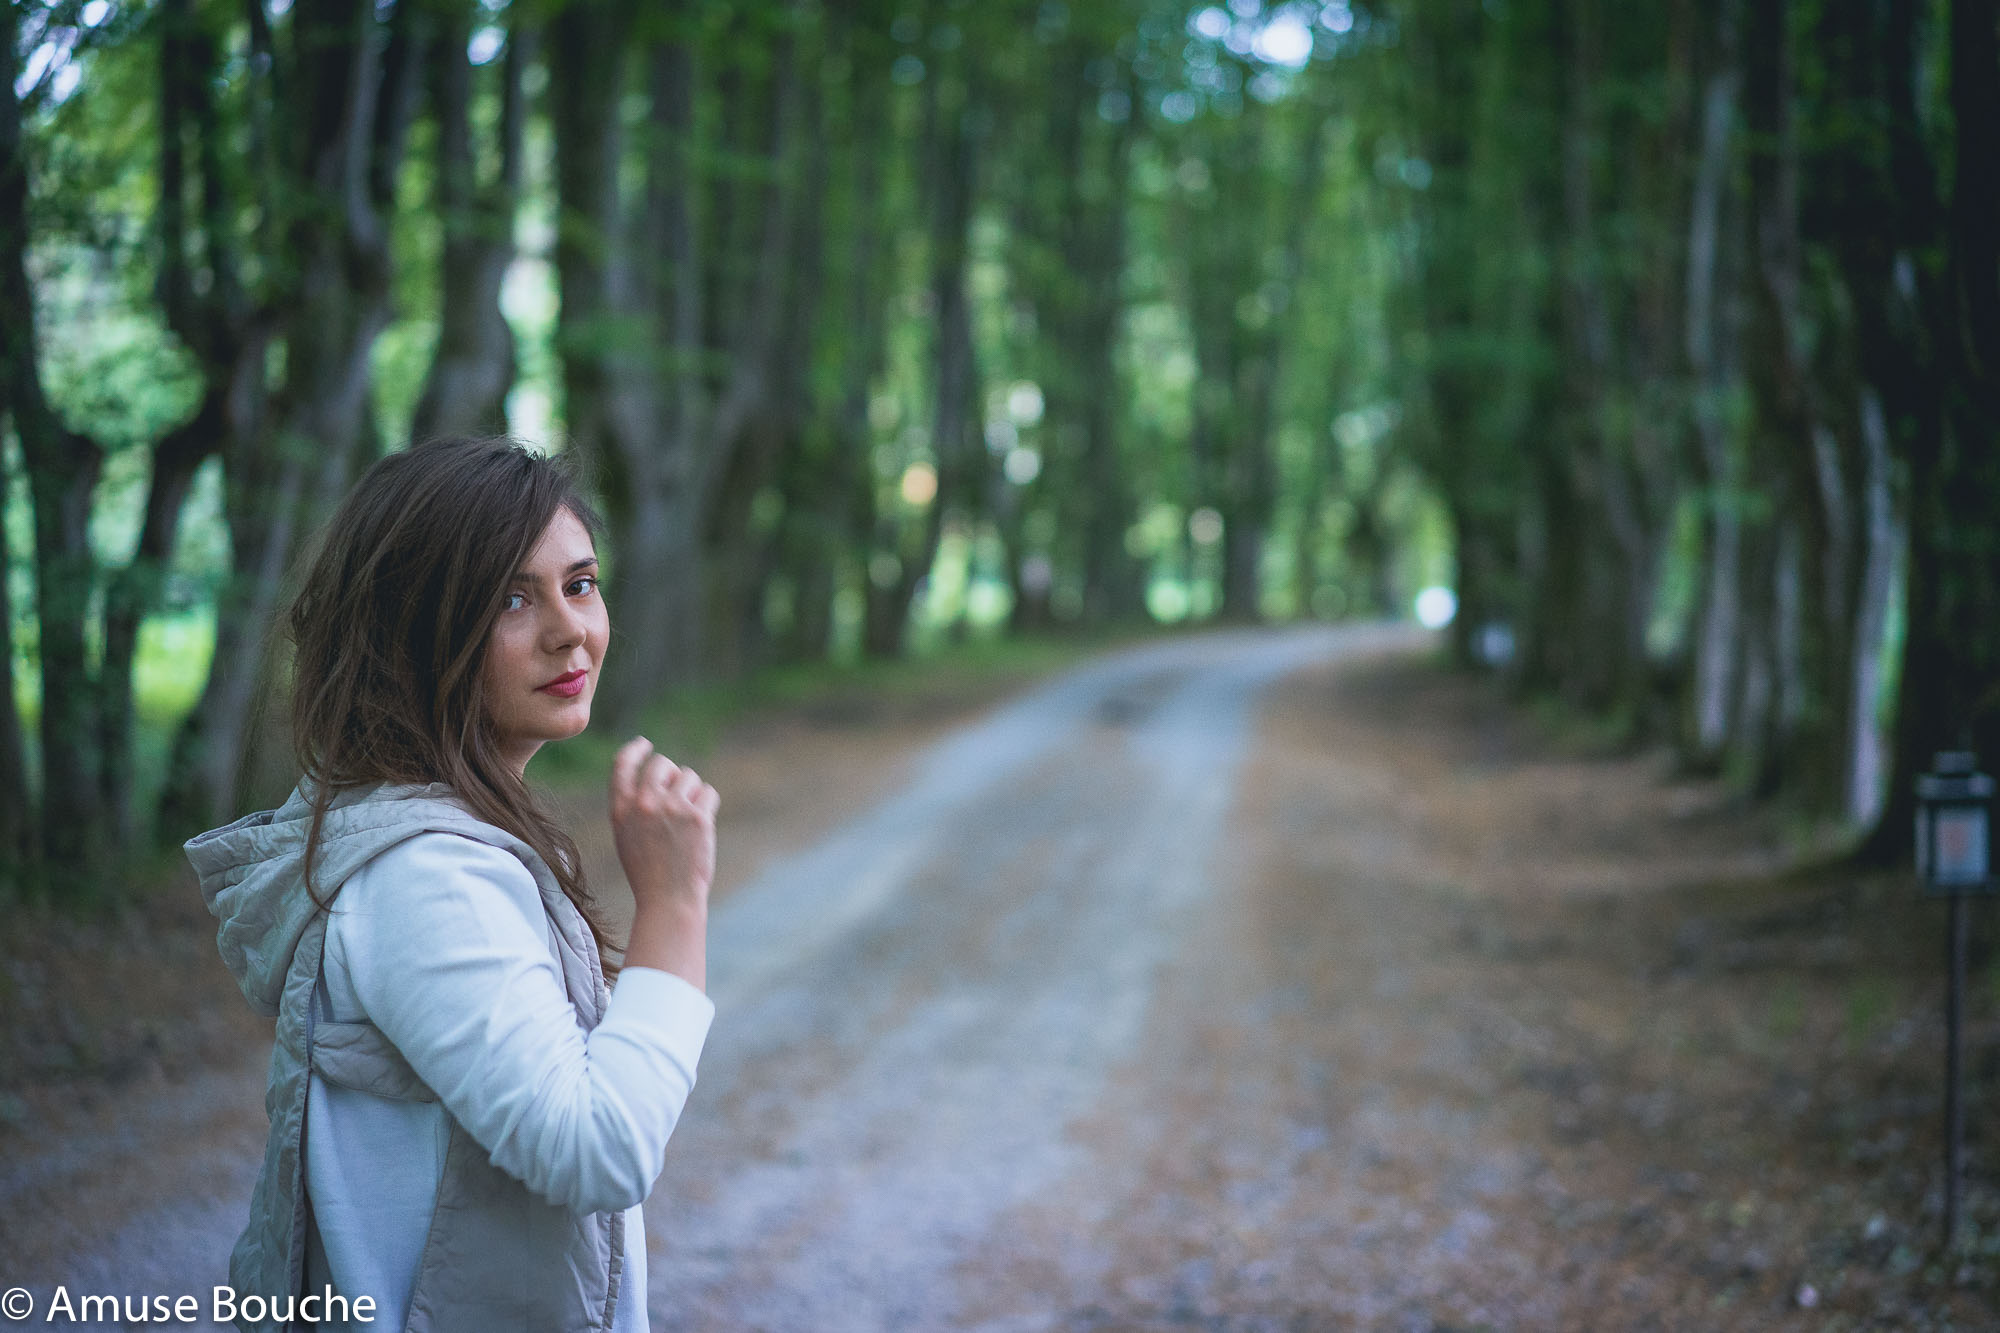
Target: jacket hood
{"x": 252, "y": 877}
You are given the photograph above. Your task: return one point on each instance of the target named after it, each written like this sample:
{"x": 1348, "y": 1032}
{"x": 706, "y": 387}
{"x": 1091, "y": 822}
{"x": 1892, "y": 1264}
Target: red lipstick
{"x": 566, "y": 686}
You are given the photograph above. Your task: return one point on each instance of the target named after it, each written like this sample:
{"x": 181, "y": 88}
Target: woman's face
{"x": 547, "y": 645}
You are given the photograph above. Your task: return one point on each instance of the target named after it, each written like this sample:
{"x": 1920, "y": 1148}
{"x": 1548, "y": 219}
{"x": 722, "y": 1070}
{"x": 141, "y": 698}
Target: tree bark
{"x": 1912, "y": 366}
{"x": 17, "y": 821}
{"x": 1884, "y": 537}
{"x": 224, "y": 329}
{"x": 778, "y": 445}
{"x": 17, "y": 816}
{"x": 1789, "y": 423}
{"x": 1718, "y": 631}
{"x": 1952, "y": 654}
{"x": 1246, "y": 219}
{"x": 796, "y": 458}
{"x": 1111, "y": 583}
{"x": 951, "y": 154}
{"x": 473, "y": 367}
{"x": 614, "y": 411}
{"x": 342, "y": 95}
{"x": 846, "y": 503}
{"x": 1756, "y": 709}
{"x": 1618, "y": 586}
{"x": 62, "y": 469}
{"x": 665, "y": 436}
{"x": 133, "y": 592}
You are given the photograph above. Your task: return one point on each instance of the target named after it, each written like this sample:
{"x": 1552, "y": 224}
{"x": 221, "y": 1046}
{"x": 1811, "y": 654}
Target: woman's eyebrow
{"x": 527, "y": 576}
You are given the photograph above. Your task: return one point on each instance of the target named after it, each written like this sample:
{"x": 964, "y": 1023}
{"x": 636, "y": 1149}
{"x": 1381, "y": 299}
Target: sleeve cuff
{"x": 670, "y": 1008}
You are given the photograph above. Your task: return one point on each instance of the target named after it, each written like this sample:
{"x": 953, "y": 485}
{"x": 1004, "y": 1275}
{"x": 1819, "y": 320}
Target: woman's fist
{"x": 663, "y": 822}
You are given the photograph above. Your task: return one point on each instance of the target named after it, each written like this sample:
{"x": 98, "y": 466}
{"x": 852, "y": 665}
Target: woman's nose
{"x": 563, "y": 627}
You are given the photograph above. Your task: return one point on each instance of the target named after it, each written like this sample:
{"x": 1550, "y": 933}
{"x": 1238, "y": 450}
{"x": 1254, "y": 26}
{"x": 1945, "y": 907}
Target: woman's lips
{"x": 567, "y": 686}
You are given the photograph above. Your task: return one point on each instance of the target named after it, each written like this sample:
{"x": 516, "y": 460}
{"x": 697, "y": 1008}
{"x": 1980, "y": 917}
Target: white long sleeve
{"x": 447, "y": 948}
{"x": 442, "y": 943}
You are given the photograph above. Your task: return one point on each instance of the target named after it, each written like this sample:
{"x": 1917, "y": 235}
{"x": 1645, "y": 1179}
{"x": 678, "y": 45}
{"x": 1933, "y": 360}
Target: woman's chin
{"x": 567, "y": 720}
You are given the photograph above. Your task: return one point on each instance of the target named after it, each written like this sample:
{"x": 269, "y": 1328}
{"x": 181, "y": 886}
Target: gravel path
{"x": 913, "y": 1012}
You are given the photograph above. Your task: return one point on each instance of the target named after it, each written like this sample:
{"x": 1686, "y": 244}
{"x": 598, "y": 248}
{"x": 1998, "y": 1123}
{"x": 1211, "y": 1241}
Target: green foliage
{"x": 17, "y": 520}
{"x": 401, "y": 356}
{"x": 109, "y": 365}
{"x": 1188, "y": 253}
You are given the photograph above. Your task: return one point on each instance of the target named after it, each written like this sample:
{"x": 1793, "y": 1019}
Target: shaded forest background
{"x": 1668, "y": 338}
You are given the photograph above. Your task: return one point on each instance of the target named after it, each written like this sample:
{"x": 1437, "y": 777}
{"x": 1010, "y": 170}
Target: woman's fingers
{"x": 659, "y": 772}
{"x": 638, "y": 767}
{"x": 625, "y": 767}
{"x": 663, "y": 822}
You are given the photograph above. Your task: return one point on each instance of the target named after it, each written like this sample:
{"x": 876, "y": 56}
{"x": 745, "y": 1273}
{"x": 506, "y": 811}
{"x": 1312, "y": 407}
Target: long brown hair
{"x": 391, "y": 627}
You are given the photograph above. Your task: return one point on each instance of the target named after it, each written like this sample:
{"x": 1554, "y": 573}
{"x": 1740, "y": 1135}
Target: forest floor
{"x": 1468, "y": 1026}
{"x": 1565, "y": 1041}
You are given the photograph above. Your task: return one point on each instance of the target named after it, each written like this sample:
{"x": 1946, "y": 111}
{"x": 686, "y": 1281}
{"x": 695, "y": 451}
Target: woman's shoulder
{"x": 441, "y": 864}
{"x": 434, "y": 905}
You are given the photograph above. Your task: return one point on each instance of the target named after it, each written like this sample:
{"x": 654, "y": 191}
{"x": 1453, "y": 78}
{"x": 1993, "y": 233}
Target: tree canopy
{"x": 1667, "y": 339}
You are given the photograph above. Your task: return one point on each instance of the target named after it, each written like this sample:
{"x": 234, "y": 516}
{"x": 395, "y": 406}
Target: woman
{"x": 465, "y": 1117}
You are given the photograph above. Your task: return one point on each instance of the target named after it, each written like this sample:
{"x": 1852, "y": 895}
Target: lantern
{"x": 1953, "y": 817}
{"x": 1954, "y": 810}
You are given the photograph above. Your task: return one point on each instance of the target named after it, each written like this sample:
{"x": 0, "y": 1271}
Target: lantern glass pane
{"x": 1960, "y": 845}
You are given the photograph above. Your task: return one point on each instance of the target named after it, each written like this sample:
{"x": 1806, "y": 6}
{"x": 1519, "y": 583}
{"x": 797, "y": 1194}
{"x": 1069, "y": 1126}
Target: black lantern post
{"x": 1954, "y": 808}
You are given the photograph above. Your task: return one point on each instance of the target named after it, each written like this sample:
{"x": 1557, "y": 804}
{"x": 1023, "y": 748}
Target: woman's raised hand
{"x": 663, "y": 822}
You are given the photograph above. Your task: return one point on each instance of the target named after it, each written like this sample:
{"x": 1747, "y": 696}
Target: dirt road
{"x": 919, "y": 1009}
{"x": 1201, "y": 987}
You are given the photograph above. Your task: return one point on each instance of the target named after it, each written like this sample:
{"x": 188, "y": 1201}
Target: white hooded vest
{"x": 488, "y": 1233}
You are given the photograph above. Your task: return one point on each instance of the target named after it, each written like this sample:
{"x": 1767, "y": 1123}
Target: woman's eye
{"x": 588, "y": 583}
{"x": 514, "y": 602}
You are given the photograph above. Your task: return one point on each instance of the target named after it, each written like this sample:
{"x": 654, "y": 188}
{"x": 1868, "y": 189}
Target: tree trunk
{"x": 1556, "y": 624}
{"x": 951, "y": 154}
{"x": 1718, "y": 631}
{"x": 342, "y": 97}
{"x": 1952, "y": 654}
{"x": 665, "y": 439}
{"x": 779, "y": 444}
{"x": 1868, "y": 761}
{"x": 1753, "y": 752}
{"x": 1902, "y": 324}
{"x": 1112, "y": 587}
{"x": 1812, "y": 481}
{"x": 62, "y": 472}
{"x": 1617, "y": 585}
{"x": 17, "y": 814}
{"x": 847, "y": 503}
{"x": 613, "y": 410}
{"x": 1253, "y": 492}
{"x": 134, "y": 591}
{"x": 736, "y": 555}
{"x": 473, "y": 367}
{"x": 228, "y": 334}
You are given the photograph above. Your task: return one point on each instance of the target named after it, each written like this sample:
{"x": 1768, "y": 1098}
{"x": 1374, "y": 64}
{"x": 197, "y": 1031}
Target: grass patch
{"x": 1871, "y": 1001}
{"x": 1578, "y": 732}
{"x": 1787, "y": 1009}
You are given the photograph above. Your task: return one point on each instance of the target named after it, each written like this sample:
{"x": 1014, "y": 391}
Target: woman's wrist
{"x": 670, "y": 933}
